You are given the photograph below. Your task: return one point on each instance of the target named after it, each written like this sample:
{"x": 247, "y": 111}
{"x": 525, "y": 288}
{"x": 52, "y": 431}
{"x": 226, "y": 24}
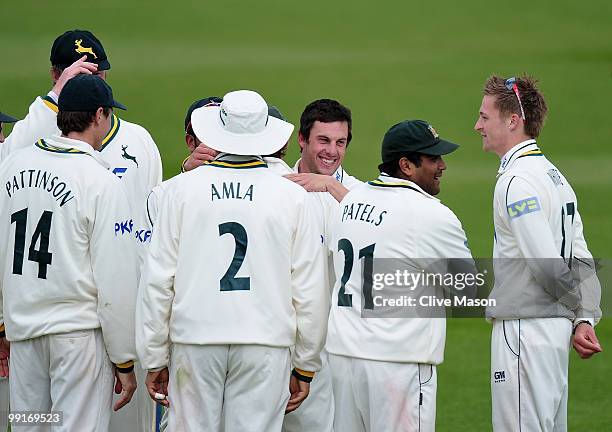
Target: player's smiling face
{"x": 491, "y": 126}
{"x": 427, "y": 176}
{"x": 323, "y": 151}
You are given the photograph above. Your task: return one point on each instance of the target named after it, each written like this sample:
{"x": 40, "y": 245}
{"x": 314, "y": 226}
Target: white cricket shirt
{"x": 388, "y": 218}
{"x": 68, "y": 261}
{"x": 538, "y": 237}
{"x": 235, "y": 259}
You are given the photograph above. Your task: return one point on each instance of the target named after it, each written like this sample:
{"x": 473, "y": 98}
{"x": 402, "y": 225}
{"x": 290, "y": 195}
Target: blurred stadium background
{"x": 387, "y": 61}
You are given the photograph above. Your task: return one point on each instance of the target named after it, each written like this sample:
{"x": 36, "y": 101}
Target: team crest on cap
{"x": 433, "y": 131}
{"x": 83, "y": 50}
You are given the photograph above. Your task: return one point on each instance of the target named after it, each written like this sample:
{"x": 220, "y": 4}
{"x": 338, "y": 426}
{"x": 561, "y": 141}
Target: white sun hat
{"x": 241, "y": 125}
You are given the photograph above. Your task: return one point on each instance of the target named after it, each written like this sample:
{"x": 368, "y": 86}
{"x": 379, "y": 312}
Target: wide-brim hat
{"x": 241, "y": 125}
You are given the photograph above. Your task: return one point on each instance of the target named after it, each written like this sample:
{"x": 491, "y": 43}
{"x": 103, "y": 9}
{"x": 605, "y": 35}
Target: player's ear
{"x": 54, "y": 73}
{"x": 99, "y": 116}
{"x": 191, "y": 142}
{"x": 513, "y": 122}
{"x": 301, "y": 141}
{"x": 406, "y": 167}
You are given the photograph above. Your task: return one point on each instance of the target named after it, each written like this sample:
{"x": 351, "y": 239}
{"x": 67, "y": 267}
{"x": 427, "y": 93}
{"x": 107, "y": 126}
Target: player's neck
{"x": 513, "y": 141}
{"x": 86, "y": 136}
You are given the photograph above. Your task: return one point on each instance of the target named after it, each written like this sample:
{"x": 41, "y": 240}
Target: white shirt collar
{"x": 69, "y": 143}
{"x": 237, "y": 158}
{"x": 277, "y": 161}
{"x": 515, "y": 152}
{"x": 338, "y": 175}
{"x": 387, "y": 179}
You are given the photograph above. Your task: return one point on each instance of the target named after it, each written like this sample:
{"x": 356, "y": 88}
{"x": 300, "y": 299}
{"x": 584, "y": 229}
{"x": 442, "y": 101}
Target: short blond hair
{"x": 532, "y": 99}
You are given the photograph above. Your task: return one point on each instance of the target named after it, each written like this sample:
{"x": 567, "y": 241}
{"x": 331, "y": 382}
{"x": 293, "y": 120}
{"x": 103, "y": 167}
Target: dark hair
{"x": 532, "y": 99}
{"x": 280, "y": 154}
{"x": 326, "y": 111}
{"x": 76, "y": 121}
{"x": 392, "y": 168}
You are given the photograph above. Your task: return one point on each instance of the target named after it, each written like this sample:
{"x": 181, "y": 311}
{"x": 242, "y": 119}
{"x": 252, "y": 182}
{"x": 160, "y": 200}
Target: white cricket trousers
{"x": 139, "y": 414}
{"x": 66, "y": 372}
{"x": 316, "y": 413}
{"x": 231, "y": 388}
{"x": 378, "y": 396}
{"x": 529, "y": 362}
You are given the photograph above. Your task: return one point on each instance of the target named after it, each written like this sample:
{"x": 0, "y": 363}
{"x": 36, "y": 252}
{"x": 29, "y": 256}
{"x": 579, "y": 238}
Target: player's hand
{"x": 200, "y": 155}
{"x": 5, "y": 353}
{"x": 311, "y": 182}
{"x": 299, "y": 392}
{"x": 126, "y": 386}
{"x": 157, "y": 383}
{"x": 81, "y": 66}
{"x": 585, "y": 341}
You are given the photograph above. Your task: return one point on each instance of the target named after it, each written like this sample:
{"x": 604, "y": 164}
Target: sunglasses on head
{"x": 511, "y": 85}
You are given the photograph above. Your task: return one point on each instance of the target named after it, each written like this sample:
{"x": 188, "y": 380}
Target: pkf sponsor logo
{"x": 143, "y": 236}
{"x": 124, "y": 227}
{"x": 499, "y": 376}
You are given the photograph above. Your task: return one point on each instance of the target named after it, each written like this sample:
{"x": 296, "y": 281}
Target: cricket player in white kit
{"x": 232, "y": 294}
{"x": 69, "y": 307}
{"x": 539, "y": 246}
{"x": 128, "y": 149}
{"x": 320, "y": 202}
{"x": 384, "y": 369}
{"x": 324, "y": 136}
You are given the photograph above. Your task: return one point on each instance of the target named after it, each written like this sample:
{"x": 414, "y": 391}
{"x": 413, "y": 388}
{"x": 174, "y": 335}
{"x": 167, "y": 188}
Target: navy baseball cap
{"x": 416, "y": 136}
{"x": 87, "y": 93}
{"x": 73, "y": 44}
{"x": 5, "y": 118}
{"x": 208, "y": 101}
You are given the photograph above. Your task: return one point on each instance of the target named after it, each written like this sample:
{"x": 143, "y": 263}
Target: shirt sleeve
{"x": 113, "y": 262}
{"x": 41, "y": 122}
{"x": 156, "y": 291}
{"x": 446, "y": 243}
{"x": 149, "y": 179}
{"x": 309, "y": 289}
{"x": 585, "y": 271}
{"x": 525, "y": 209}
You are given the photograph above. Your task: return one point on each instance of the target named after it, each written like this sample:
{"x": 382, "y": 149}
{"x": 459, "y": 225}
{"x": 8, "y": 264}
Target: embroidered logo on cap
{"x": 83, "y": 50}
{"x": 433, "y": 131}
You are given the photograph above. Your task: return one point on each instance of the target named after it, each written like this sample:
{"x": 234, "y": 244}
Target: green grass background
{"x": 387, "y": 61}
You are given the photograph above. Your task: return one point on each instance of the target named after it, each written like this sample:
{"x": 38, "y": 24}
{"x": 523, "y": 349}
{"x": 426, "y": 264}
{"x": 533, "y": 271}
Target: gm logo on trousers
{"x": 499, "y": 376}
